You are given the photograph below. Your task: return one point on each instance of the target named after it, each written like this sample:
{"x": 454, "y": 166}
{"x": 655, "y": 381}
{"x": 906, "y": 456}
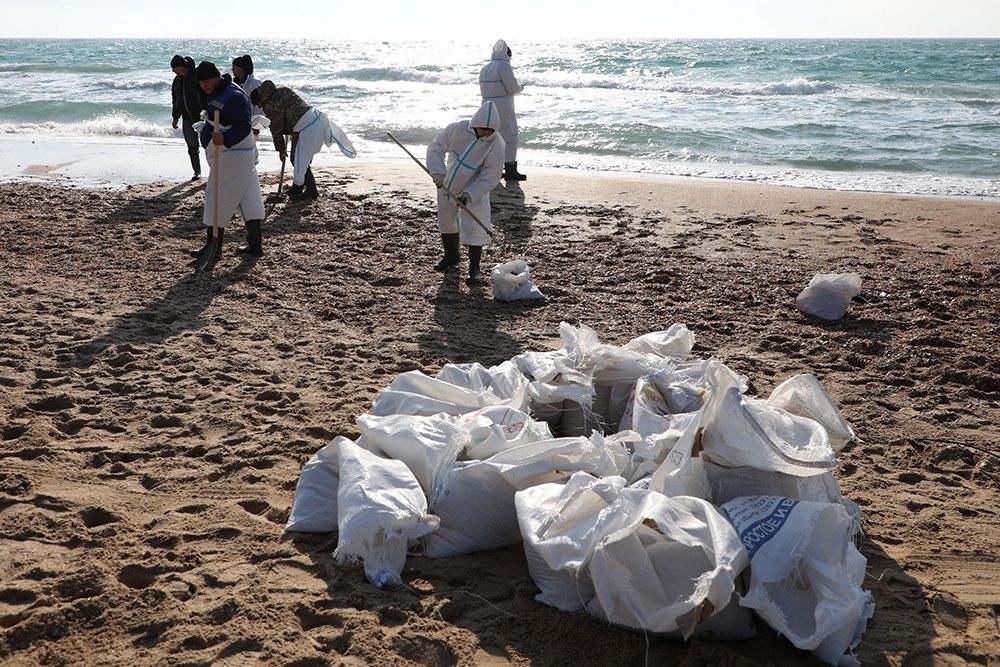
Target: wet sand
{"x": 153, "y": 422}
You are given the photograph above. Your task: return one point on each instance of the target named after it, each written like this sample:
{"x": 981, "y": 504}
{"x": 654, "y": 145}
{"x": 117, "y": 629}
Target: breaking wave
{"x": 113, "y": 123}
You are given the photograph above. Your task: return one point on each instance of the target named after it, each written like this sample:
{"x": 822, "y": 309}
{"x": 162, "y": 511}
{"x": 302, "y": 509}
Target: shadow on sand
{"x": 176, "y": 311}
{"x": 490, "y": 595}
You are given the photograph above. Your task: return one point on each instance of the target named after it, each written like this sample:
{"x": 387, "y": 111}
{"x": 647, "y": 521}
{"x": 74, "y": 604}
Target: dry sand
{"x": 153, "y": 423}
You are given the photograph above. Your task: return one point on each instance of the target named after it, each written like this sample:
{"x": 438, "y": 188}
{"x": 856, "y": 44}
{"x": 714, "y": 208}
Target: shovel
{"x": 271, "y": 199}
{"x": 443, "y": 187}
{"x": 208, "y": 255}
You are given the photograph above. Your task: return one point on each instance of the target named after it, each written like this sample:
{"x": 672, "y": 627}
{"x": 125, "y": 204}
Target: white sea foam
{"x": 112, "y": 123}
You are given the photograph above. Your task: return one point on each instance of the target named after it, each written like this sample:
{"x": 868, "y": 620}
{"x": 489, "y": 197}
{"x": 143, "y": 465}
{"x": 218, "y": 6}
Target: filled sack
{"x": 380, "y": 508}
{"x": 806, "y": 575}
{"x": 512, "y": 282}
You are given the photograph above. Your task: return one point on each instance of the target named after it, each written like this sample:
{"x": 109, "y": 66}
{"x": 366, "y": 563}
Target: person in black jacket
{"x": 188, "y": 102}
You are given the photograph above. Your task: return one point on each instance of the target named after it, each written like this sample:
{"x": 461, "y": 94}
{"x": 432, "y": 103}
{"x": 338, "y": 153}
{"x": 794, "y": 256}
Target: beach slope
{"x": 153, "y": 422}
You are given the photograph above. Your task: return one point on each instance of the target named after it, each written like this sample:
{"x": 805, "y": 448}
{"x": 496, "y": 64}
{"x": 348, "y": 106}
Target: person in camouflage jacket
{"x": 285, "y": 109}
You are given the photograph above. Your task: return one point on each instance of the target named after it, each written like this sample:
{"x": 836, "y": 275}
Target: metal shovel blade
{"x": 206, "y": 259}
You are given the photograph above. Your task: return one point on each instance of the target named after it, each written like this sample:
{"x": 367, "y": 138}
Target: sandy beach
{"x": 153, "y": 422}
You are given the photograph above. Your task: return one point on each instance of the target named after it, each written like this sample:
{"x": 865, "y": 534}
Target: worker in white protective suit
{"x": 498, "y": 84}
{"x": 235, "y": 169}
{"x": 466, "y": 159}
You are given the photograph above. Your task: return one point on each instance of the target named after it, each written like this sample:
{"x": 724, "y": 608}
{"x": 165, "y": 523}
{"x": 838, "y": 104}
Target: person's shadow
{"x": 466, "y": 320}
{"x": 161, "y": 206}
{"x": 176, "y": 311}
{"x": 512, "y": 218}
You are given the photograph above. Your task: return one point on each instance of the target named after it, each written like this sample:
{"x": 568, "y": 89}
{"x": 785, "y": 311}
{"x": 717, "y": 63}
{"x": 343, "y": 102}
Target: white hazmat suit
{"x": 471, "y": 165}
{"x": 239, "y": 187}
{"x": 316, "y": 130}
{"x": 498, "y": 84}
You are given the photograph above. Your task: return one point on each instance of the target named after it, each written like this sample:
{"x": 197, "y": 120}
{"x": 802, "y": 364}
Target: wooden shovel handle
{"x": 217, "y": 168}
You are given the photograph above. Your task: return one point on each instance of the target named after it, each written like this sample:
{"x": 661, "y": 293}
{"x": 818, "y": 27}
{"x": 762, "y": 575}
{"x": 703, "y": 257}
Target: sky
{"x": 513, "y": 19}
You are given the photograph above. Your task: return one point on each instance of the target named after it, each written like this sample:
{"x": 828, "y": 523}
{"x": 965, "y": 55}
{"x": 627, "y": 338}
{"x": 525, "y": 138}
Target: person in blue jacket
{"x": 235, "y": 170}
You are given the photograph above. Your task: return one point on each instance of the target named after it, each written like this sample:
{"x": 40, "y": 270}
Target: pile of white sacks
{"x": 670, "y": 502}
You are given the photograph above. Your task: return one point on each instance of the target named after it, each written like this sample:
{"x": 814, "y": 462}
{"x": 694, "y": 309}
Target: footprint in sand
{"x": 15, "y": 429}
{"x": 137, "y": 576}
{"x": 247, "y": 645}
{"x": 166, "y": 421}
{"x": 86, "y": 584}
{"x": 264, "y": 509}
{"x": 93, "y": 517}
{"x": 911, "y": 477}
{"x": 53, "y": 403}
{"x": 199, "y": 643}
{"x": 422, "y": 651}
{"x": 312, "y": 618}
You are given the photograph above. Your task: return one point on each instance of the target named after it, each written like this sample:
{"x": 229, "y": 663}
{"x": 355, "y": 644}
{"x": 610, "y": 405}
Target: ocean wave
{"x": 128, "y": 84}
{"x": 407, "y": 135}
{"x": 65, "y": 111}
{"x": 798, "y": 86}
{"x": 113, "y": 123}
{"x": 62, "y": 68}
{"x": 400, "y": 74}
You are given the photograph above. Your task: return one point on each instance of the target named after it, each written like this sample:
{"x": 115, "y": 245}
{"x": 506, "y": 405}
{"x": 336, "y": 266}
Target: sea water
{"x": 908, "y": 116}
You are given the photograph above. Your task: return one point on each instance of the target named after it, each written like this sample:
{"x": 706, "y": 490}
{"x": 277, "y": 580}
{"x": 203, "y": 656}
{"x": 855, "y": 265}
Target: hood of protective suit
{"x": 487, "y": 116}
{"x": 500, "y": 50}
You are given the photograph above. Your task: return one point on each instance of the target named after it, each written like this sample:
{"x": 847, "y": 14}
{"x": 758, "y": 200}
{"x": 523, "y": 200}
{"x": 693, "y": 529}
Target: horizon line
{"x": 559, "y": 39}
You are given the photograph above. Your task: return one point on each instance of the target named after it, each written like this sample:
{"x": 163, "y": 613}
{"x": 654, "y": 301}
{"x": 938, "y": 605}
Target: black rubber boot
{"x": 450, "y": 244}
{"x": 294, "y": 192}
{"x": 310, "y": 192}
{"x": 255, "y": 240}
{"x": 510, "y": 172}
{"x": 195, "y": 166}
{"x": 475, "y": 255}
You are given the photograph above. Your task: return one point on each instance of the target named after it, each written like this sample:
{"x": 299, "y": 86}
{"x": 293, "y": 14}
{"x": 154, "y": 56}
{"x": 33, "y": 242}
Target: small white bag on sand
{"x": 512, "y": 282}
{"x": 314, "y": 509}
{"x": 804, "y": 396}
{"x": 805, "y": 573}
{"x": 669, "y": 568}
{"x": 427, "y": 445}
{"x": 828, "y": 295}
{"x": 457, "y": 389}
{"x": 380, "y": 507}
{"x": 475, "y": 503}
{"x": 745, "y": 432}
